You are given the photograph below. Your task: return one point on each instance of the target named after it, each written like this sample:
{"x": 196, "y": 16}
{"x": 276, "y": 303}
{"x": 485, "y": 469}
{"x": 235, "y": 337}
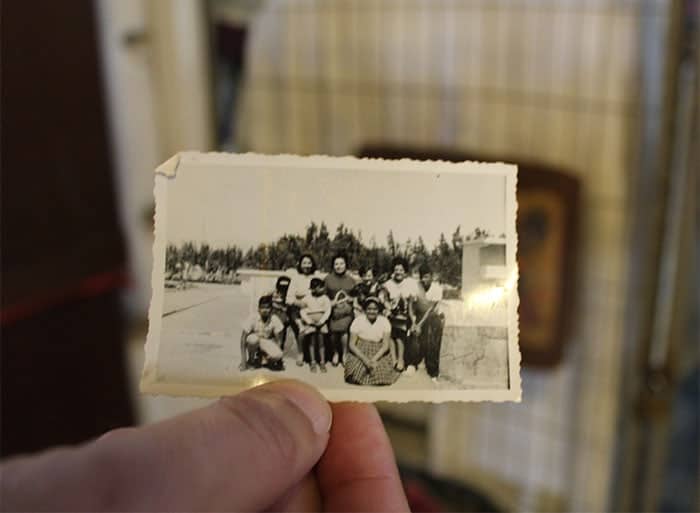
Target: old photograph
{"x": 370, "y": 279}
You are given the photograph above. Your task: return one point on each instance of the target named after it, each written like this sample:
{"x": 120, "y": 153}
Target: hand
{"x": 371, "y": 364}
{"x": 213, "y": 458}
{"x": 416, "y": 330}
{"x": 399, "y": 365}
{"x": 243, "y": 366}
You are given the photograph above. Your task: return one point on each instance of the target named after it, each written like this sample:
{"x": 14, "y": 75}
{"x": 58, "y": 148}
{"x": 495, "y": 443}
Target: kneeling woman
{"x": 371, "y": 357}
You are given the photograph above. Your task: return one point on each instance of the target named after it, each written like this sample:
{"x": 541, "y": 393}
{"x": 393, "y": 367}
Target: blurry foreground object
{"x": 63, "y": 374}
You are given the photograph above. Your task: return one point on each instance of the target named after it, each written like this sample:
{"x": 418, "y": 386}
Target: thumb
{"x": 241, "y": 453}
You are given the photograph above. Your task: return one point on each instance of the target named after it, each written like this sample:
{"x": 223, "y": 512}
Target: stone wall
{"x": 475, "y": 356}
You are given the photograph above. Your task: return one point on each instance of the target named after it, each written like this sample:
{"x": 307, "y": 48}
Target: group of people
{"x": 375, "y": 327}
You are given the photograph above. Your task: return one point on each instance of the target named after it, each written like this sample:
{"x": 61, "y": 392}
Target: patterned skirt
{"x": 357, "y": 374}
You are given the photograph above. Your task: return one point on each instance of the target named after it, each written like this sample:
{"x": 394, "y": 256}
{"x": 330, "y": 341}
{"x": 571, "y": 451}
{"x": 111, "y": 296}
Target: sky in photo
{"x": 248, "y": 206}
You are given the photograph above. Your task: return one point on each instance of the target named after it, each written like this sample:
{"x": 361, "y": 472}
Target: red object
{"x": 420, "y": 499}
{"x": 89, "y": 287}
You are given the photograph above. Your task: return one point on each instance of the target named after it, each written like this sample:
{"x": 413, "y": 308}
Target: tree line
{"x": 445, "y": 258}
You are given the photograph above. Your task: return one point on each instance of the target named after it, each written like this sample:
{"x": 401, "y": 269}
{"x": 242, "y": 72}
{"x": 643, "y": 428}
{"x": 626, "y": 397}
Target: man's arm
{"x": 277, "y": 330}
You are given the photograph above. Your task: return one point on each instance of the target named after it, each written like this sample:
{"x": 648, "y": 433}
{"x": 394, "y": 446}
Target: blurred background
{"x": 597, "y": 101}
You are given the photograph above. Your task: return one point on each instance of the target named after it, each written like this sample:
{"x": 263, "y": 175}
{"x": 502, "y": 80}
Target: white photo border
{"x": 152, "y": 382}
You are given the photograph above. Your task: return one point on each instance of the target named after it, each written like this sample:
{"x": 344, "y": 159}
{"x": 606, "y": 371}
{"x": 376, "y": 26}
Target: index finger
{"x": 358, "y": 470}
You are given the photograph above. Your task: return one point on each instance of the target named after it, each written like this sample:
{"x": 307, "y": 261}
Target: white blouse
{"x": 299, "y": 286}
{"x": 371, "y": 331}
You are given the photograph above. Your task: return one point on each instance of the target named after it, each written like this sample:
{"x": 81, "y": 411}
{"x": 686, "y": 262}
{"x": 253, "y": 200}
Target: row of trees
{"x": 445, "y": 258}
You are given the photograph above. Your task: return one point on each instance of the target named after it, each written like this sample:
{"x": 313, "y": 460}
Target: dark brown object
{"x": 547, "y": 238}
{"x": 63, "y": 378}
{"x": 59, "y": 224}
{"x": 62, "y": 251}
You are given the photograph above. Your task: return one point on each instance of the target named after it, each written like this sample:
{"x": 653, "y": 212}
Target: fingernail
{"x": 310, "y": 401}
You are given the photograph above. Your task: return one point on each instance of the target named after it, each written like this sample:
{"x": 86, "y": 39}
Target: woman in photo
{"x": 339, "y": 286}
{"x": 370, "y": 359}
{"x": 400, "y": 293}
{"x": 299, "y": 288}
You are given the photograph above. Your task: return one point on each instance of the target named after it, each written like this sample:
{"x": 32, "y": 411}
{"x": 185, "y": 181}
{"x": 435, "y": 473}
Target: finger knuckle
{"x": 271, "y": 427}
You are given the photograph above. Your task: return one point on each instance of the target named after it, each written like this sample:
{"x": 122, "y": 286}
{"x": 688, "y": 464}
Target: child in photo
{"x": 261, "y": 339}
{"x": 314, "y": 314}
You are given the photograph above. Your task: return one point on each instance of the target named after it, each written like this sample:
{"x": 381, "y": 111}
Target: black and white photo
{"x": 370, "y": 279}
